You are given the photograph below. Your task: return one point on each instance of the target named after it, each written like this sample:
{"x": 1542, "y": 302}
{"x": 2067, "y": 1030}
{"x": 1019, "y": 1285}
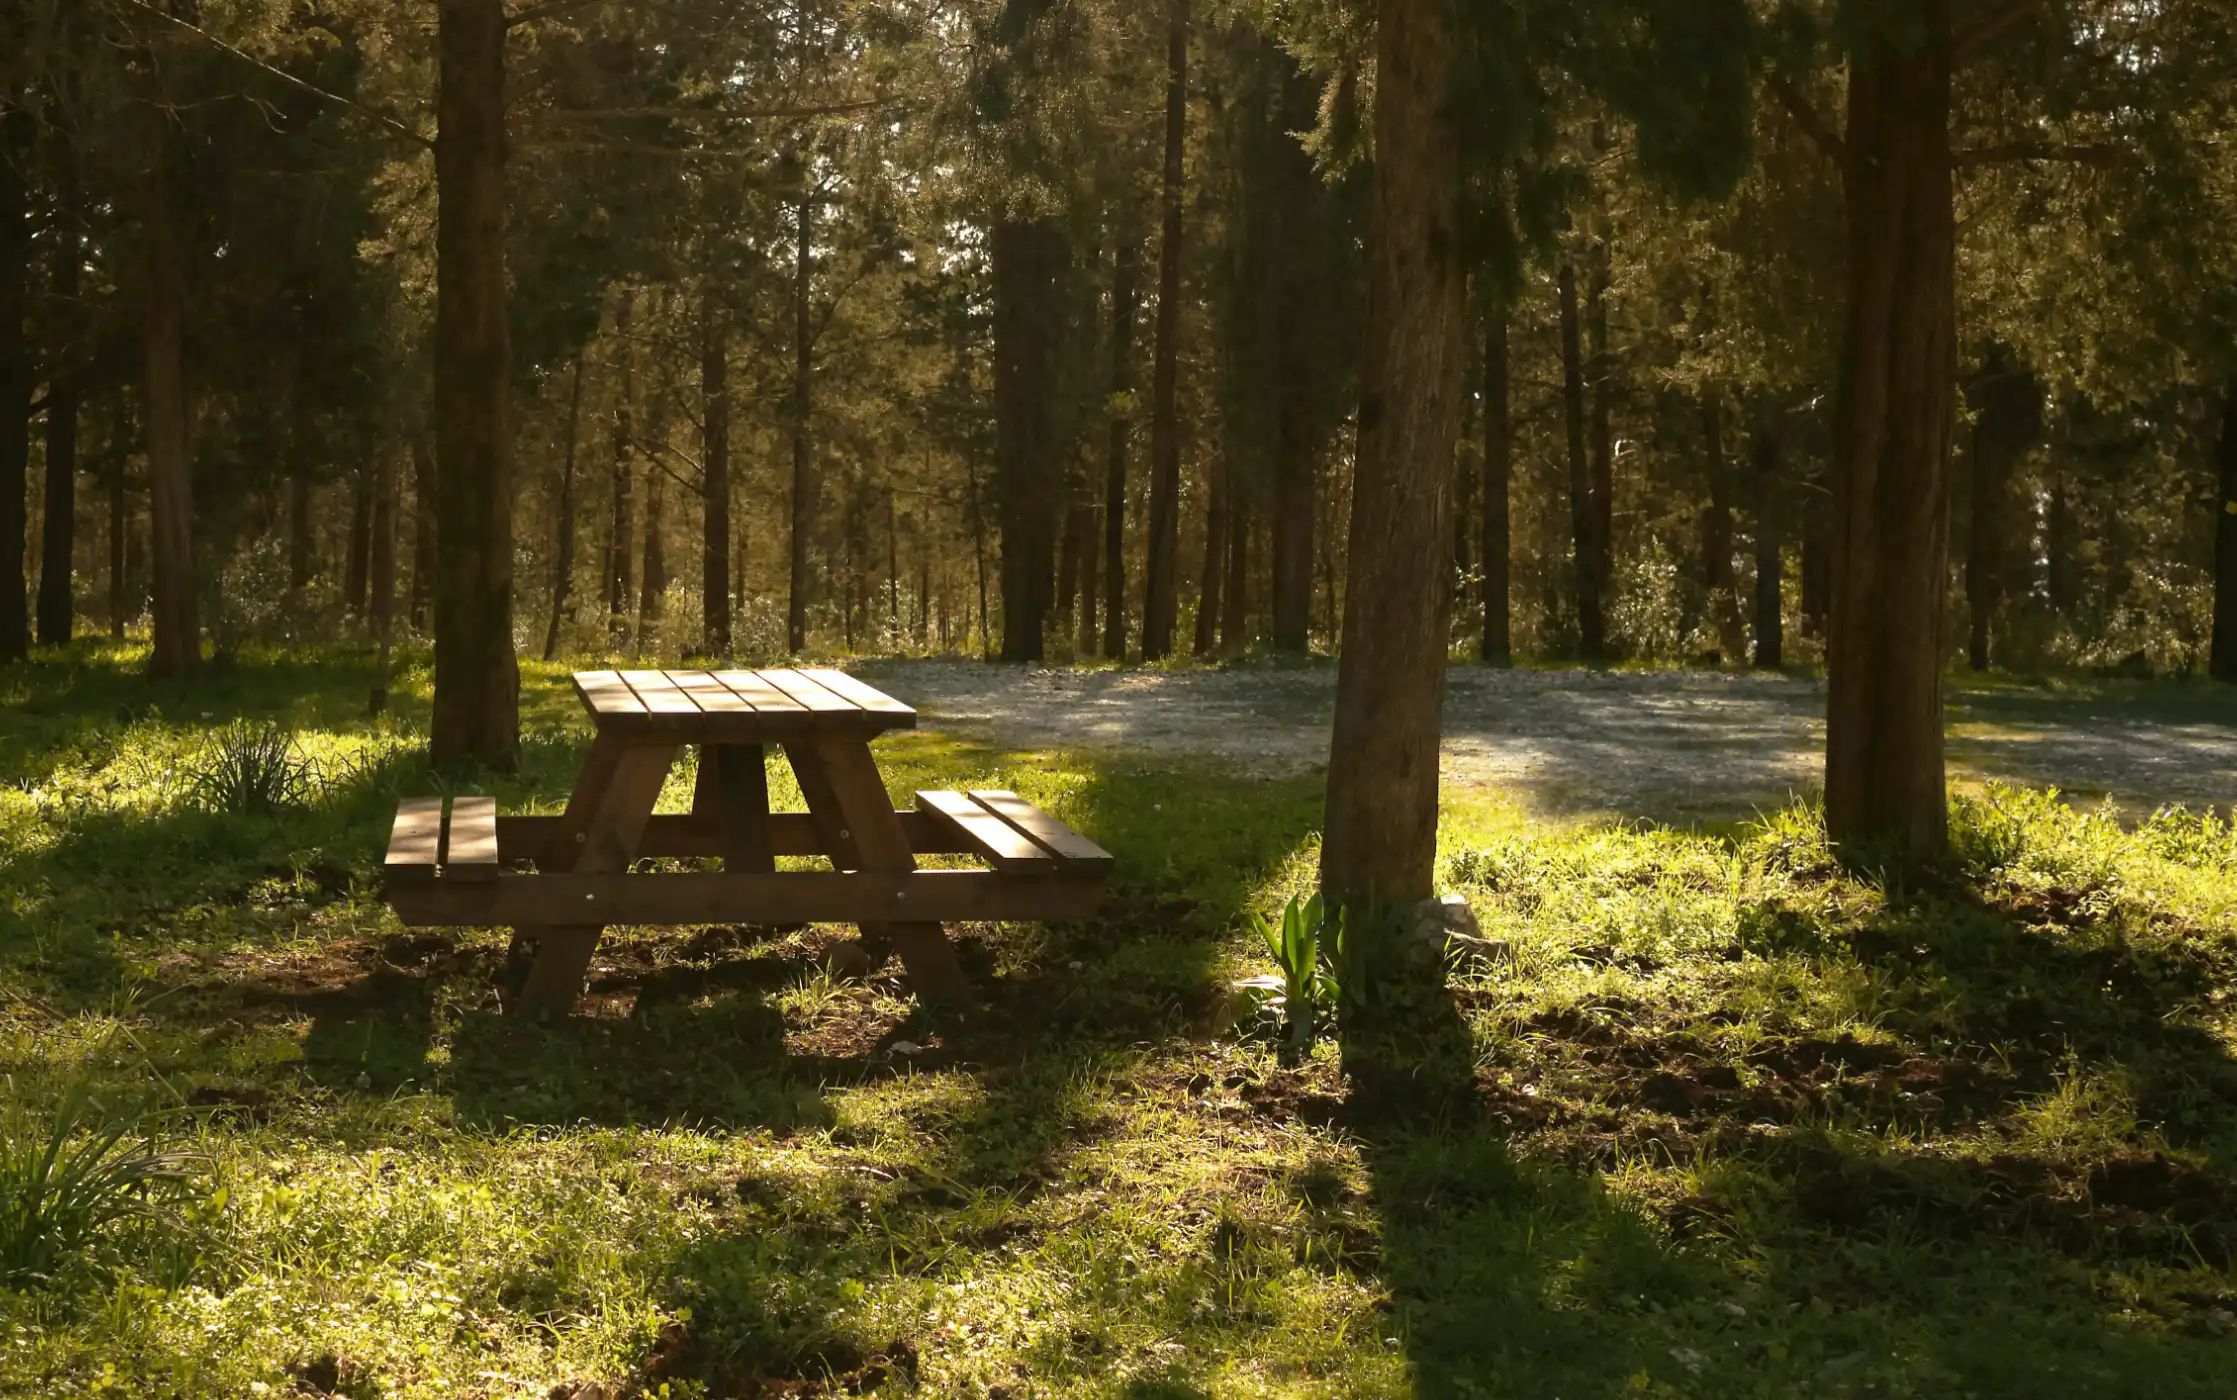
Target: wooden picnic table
{"x": 469, "y": 866}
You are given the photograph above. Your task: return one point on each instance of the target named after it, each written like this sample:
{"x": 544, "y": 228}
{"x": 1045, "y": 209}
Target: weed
{"x": 1295, "y": 945}
{"x": 67, "y": 1183}
{"x": 250, "y": 769}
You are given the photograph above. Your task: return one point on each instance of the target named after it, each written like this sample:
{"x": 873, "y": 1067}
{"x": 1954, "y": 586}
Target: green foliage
{"x": 70, "y": 1183}
{"x": 1295, "y": 947}
{"x": 247, "y": 768}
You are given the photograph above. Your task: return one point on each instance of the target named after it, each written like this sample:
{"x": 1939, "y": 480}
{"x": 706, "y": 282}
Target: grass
{"x": 1717, "y": 1118}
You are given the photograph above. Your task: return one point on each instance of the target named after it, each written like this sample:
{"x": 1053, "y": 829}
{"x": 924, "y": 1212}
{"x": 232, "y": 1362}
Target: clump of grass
{"x": 249, "y": 769}
{"x": 71, "y": 1182}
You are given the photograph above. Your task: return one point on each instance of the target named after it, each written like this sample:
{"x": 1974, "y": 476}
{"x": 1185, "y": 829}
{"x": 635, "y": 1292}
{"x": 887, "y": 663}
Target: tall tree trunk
{"x": 299, "y": 540}
{"x": 1884, "y": 783}
{"x": 425, "y": 508}
{"x": 1770, "y": 633}
{"x": 1497, "y": 546}
{"x": 118, "y": 524}
{"x": 1161, "y": 598}
{"x": 177, "y": 627}
{"x": 1716, "y": 530}
{"x": 477, "y": 679}
{"x": 1585, "y": 557}
{"x": 714, "y": 451}
{"x": 2222, "y": 662}
{"x": 381, "y": 610}
{"x": 1124, "y": 275}
{"x": 1235, "y": 595}
{"x": 563, "y": 552}
{"x": 653, "y": 576}
{"x": 1091, "y": 581}
{"x": 1381, "y": 829}
{"x": 1071, "y": 554}
{"x": 1028, "y": 266}
{"x": 58, "y": 537}
{"x": 1602, "y": 457}
{"x": 803, "y": 468}
{"x": 621, "y": 537}
{"x": 16, "y": 370}
{"x": 357, "y": 561}
{"x": 1215, "y": 554}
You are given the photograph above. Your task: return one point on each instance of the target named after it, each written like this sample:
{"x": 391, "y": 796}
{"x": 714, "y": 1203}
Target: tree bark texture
{"x": 58, "y": 535}
{"x": 1125, "y": 274}
{"x": 2222, "y": 661}
{"x": 1029, "y": 257}
{"x": 1770, "y": 624}
{"x": 803, "y": 464}
{"x": 477, "y": 679}
{"x": 16, "y": 372}
{"x": 714, "y": 452}
{"x": 177, "y": 646}
{"x": 1884, "y": 783}
{"x": 1496, "y": 526}
{"x": 1214, "y": 573}
{"x": 1381, "y": 829}
{"x": 1161, "y": 599}
{"x": 563, "y": 550}
{"x": 1584, "y": 555}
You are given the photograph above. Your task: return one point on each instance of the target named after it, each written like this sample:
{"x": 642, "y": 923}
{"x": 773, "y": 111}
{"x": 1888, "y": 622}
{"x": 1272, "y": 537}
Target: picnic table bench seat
{"x": 559, "y": 879}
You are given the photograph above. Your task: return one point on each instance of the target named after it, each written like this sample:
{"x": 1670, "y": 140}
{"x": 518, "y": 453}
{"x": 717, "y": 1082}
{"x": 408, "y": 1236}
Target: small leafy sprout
{"x": 1295, "y": 945}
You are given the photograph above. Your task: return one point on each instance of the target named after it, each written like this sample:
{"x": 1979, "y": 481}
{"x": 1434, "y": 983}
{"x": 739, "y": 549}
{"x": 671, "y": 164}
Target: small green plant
{"x": 1349, "y": 980}
{"x": 66, "y": 1183}
{"x": 247, "y": 769}
{"x": 1295, "y": 945}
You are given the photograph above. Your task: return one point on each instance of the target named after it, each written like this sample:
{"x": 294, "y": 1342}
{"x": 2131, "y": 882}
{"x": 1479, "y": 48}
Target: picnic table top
{"x": 740, "y": 706}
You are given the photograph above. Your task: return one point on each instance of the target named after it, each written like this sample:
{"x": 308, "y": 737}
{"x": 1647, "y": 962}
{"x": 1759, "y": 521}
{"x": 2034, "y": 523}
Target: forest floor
{"x": 1659, "y": 745}
{"x": 1708, "y": 1116}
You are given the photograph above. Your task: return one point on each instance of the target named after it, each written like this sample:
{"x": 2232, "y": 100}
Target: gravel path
{"x": 1667, "y": 745}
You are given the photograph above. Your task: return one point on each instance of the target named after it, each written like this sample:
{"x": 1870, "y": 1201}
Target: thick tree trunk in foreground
{"x": 1495, "y": 528}
{"x": 803, "y": 464}
{"x": 1028, "y": 265}
{"x": 2222, "y": 665}
{"x": 1584, "y": 555}
{"x": 177, "y": 626}
{"x": 714, "y": 451}
{"x": 1770, "y": 580}
{"x": 563, "y": 553}
{"x": 1161, "y": 598}
{"x": 1381, "y": 832}
{"x": 58, "y": 535}
{"x": 1716, "y": 532}
{"x": 15, "y": 384}
{"x": 1884, "y": 785}
{"x": 1124, "y": 277}
{"x": 477, "y": 680}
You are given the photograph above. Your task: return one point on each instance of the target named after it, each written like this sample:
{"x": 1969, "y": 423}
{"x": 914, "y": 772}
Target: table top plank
{"x": 757, "y": 692}
{"x": 604, "y": 693}
{"x": 661, "y": 696}
{"x": 864, "y": 695}
{"x": 811, "y": 695}
{"x": 713, "y": 696}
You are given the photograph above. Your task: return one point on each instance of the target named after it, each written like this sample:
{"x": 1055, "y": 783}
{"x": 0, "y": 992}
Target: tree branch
{"x": 1978, "y": 37}
{"x": 1806, "y": 117}
{"x": 383, "y": 118}
{"x": 2013, "y": 152}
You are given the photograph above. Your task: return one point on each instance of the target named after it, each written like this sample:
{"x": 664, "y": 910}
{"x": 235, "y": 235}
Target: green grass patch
{"x": 1703, "y": 1115}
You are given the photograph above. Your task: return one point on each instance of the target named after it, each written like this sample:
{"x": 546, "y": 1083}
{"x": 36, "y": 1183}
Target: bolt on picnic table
{"x": 463, "y": 870}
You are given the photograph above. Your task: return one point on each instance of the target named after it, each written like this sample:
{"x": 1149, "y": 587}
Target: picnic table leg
{"x": 862, "y": 832}
{"x": 605, "y": 818}
{"x": 733, "y": 796}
